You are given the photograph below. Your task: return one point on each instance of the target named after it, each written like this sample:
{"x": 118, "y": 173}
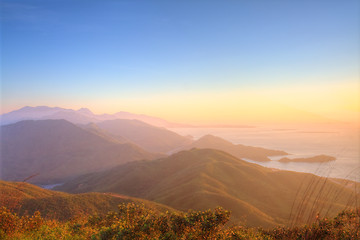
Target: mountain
{"x": 44, "y": 112}
{"x": 81, "y": 116}
{"x": 77, "y": 117}
{"x": 205, "y": 178}
{"x": 148, "y": 119}
{"x": 149, "y": 137}
{"x": 238, "y": 150}
{"x": 26, "y": 198}
{"x": 58, "y": 149}
{"x": 95, "y": 129}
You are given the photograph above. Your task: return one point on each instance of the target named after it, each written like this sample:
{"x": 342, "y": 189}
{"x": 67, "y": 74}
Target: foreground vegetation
{"x": 136, "y": 221}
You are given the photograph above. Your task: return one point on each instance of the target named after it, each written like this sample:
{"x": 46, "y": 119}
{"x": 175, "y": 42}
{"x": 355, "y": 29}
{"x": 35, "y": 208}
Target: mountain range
{"x": 84, "y": 116}
{"x": 55, "y": 150}
{"x": 81, "y": 116}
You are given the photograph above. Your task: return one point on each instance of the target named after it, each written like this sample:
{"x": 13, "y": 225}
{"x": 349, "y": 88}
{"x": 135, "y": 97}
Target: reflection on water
{"x": 342, "y": 142}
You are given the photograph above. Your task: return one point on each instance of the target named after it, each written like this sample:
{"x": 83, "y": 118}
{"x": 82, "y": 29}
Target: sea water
{"x": 339, "y": 141}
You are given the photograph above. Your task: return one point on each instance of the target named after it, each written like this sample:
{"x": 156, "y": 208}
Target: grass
{"x": 307, "y": 210}
{"x": 26, "y": 199}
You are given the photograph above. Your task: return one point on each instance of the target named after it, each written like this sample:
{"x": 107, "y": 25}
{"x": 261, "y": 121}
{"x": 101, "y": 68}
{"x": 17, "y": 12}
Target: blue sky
{"x": 78, "y": 52}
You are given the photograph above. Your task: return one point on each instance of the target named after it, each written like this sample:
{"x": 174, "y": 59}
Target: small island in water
{"x": 318, "y": 158}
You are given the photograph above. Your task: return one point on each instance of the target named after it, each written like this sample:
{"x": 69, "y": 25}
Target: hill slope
{"x": 206, "y": 178}
{"x": 26, "y": 198}
{"x": 237, "y": 150}
{"x": 57, "y": 149}
{"x": 149, "y": 137}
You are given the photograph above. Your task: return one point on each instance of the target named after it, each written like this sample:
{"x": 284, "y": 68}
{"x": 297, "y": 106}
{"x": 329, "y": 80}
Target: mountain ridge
{"x": 151, "y": 138}
{"x": 80, "y": 116}
{"x": 238, "y": 150}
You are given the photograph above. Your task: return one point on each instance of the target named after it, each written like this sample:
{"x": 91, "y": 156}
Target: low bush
{"x": 133, "y": 221}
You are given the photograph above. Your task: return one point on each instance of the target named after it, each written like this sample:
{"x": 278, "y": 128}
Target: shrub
{"x": 133, "y": 221}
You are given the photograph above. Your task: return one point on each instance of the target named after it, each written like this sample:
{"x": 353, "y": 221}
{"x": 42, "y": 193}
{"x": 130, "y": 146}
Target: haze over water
{"x": 340, "y": 141}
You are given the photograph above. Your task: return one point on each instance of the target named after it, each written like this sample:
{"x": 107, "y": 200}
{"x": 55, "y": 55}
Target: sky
{"x": 188, "y": 61}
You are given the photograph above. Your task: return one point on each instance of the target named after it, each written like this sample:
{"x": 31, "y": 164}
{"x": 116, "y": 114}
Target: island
{"x": 318, "y": 158}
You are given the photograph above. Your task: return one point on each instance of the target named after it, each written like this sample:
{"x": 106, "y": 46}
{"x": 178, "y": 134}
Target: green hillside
{"x": 25, "y": 198}
{"x": 205, "y": 178}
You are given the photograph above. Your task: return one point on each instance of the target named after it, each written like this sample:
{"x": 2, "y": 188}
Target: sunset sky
{"x": 188, "y": 61}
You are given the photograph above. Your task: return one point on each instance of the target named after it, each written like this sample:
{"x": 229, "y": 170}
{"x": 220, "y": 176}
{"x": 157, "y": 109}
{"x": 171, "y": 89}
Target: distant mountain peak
{"x": 213, "y": 139}
{"x": 85, "y": 111}
{"x": 82, "y": 116}
{"x": 39, "y": 108}
{"x": 238, "y": 150}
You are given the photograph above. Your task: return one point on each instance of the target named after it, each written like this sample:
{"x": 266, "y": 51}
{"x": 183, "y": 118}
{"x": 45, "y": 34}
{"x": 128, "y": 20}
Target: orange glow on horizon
{"x": 315, "y": 103}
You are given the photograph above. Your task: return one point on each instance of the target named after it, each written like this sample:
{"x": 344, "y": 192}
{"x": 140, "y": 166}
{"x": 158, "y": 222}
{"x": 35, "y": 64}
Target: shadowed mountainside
{"x": 237, "y": 150}
{"x": 93, "y": 128}
{"x": 57, "y": 150}
{"x": 26, "y": 198}
{"x": 205, "y": 178}
{"x": 149, "y": 137}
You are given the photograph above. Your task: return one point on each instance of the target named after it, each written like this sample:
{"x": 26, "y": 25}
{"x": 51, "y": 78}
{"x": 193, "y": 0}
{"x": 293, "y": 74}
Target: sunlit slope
{"x": 237, "y": 150}
{"x": 205, "y": 178}
{"x": 26, "y": 198}
{"x": 57, "y": 149}
{"x": 151, "y": 138}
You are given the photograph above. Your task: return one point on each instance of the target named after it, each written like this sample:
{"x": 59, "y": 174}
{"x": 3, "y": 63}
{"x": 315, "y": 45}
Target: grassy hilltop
{"x": 24, "y": 198}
